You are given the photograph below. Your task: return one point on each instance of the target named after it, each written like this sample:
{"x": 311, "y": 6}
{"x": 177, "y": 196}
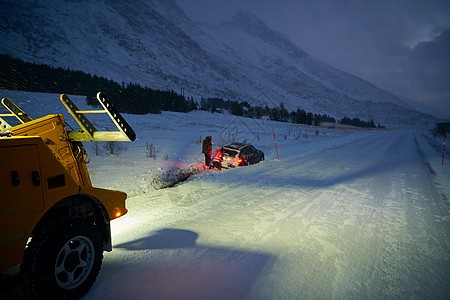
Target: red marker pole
{"x": 276, "y": 149}
{"x": 443, "y": 150}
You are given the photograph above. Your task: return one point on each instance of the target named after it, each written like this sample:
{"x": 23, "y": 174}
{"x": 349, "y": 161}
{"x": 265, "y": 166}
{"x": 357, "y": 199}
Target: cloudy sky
{"x": 402, "y": 46}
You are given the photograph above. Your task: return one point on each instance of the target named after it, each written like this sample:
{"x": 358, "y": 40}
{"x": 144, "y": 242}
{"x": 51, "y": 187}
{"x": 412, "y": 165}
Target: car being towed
{"x": 240, "y": 154}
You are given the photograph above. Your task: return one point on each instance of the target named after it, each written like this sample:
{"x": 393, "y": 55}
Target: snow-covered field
{"x": 341, "y": 214}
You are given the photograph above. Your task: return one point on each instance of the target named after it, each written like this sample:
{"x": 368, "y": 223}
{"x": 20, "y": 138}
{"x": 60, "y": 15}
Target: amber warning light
{"x": 119, "y": 213}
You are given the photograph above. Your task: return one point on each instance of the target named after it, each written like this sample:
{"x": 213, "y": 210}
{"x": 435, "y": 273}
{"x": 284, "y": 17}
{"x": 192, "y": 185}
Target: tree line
{"x": 441, "y": 129}
{"x": 360, "y": 123}
{"x": 279, "y": 113}
{"x": 16, "y": 74}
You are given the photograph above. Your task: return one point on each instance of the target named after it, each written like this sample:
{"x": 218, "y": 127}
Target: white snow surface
{"x": 342, "y": 214}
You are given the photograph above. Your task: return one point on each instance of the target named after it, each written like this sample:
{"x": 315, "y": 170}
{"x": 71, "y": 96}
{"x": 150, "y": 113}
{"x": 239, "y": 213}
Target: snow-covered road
{"x": 343, "y": 214}
{"x": 369, "y": 218}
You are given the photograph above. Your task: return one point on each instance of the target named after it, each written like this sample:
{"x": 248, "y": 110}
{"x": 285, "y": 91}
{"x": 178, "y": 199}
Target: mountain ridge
{"x": 154, "y": 43}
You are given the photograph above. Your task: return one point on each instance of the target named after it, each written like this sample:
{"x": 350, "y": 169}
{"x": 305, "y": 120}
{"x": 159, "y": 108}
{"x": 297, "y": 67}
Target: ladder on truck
{"x": 88, "y": 132}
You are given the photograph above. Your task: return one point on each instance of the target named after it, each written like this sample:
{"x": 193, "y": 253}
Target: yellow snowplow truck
{"x": 53, "y": 222}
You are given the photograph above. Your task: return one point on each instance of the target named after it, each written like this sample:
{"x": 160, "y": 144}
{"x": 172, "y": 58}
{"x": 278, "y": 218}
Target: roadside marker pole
{"x": 443, "y": 150}
{"x": 276, "y": 149}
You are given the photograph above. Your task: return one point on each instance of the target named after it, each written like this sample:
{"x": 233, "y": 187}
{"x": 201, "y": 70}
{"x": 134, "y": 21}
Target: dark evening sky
{"x": 401, "y": 46}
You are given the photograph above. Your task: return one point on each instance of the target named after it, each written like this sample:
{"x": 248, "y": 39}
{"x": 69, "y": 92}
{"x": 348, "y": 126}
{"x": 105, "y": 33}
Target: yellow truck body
{"x": 46, "y": 192}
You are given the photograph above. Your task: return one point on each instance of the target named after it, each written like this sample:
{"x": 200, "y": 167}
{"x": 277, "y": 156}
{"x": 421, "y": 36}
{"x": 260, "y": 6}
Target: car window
{"x": 229, "y": 152}
{"x": 253, "y": 149}
{"x": 246, "y": 150}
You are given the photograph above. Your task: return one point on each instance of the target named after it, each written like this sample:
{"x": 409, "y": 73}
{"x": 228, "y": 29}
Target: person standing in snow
{"x": 217, "y": 160}
{"x": 207, "y": 149}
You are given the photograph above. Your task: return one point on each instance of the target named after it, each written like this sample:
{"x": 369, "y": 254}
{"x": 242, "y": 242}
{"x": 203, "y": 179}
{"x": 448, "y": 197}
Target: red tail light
{"x": 239, "y": 160}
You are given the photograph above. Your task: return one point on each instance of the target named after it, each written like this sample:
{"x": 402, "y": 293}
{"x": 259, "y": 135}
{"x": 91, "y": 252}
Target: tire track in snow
{"x": 423, "y": 157}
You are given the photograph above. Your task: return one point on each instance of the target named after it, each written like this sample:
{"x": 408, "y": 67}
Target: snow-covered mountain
{"x": 154, "y": 43}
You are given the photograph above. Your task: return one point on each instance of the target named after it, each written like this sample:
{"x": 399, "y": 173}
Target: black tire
{"x": 62, "y": 262}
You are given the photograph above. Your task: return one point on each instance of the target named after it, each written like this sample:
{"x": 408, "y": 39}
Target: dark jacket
{"x": 207, "y": 145}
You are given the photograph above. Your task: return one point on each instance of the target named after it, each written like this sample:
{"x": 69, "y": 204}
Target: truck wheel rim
{"x": 74, "y": 262}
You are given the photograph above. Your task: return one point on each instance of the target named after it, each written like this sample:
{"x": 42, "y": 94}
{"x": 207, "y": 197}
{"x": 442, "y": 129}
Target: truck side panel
{"x": 52, "y": 131}
{"x": 21, "y": 196}
{"x": 28, "y": 190}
